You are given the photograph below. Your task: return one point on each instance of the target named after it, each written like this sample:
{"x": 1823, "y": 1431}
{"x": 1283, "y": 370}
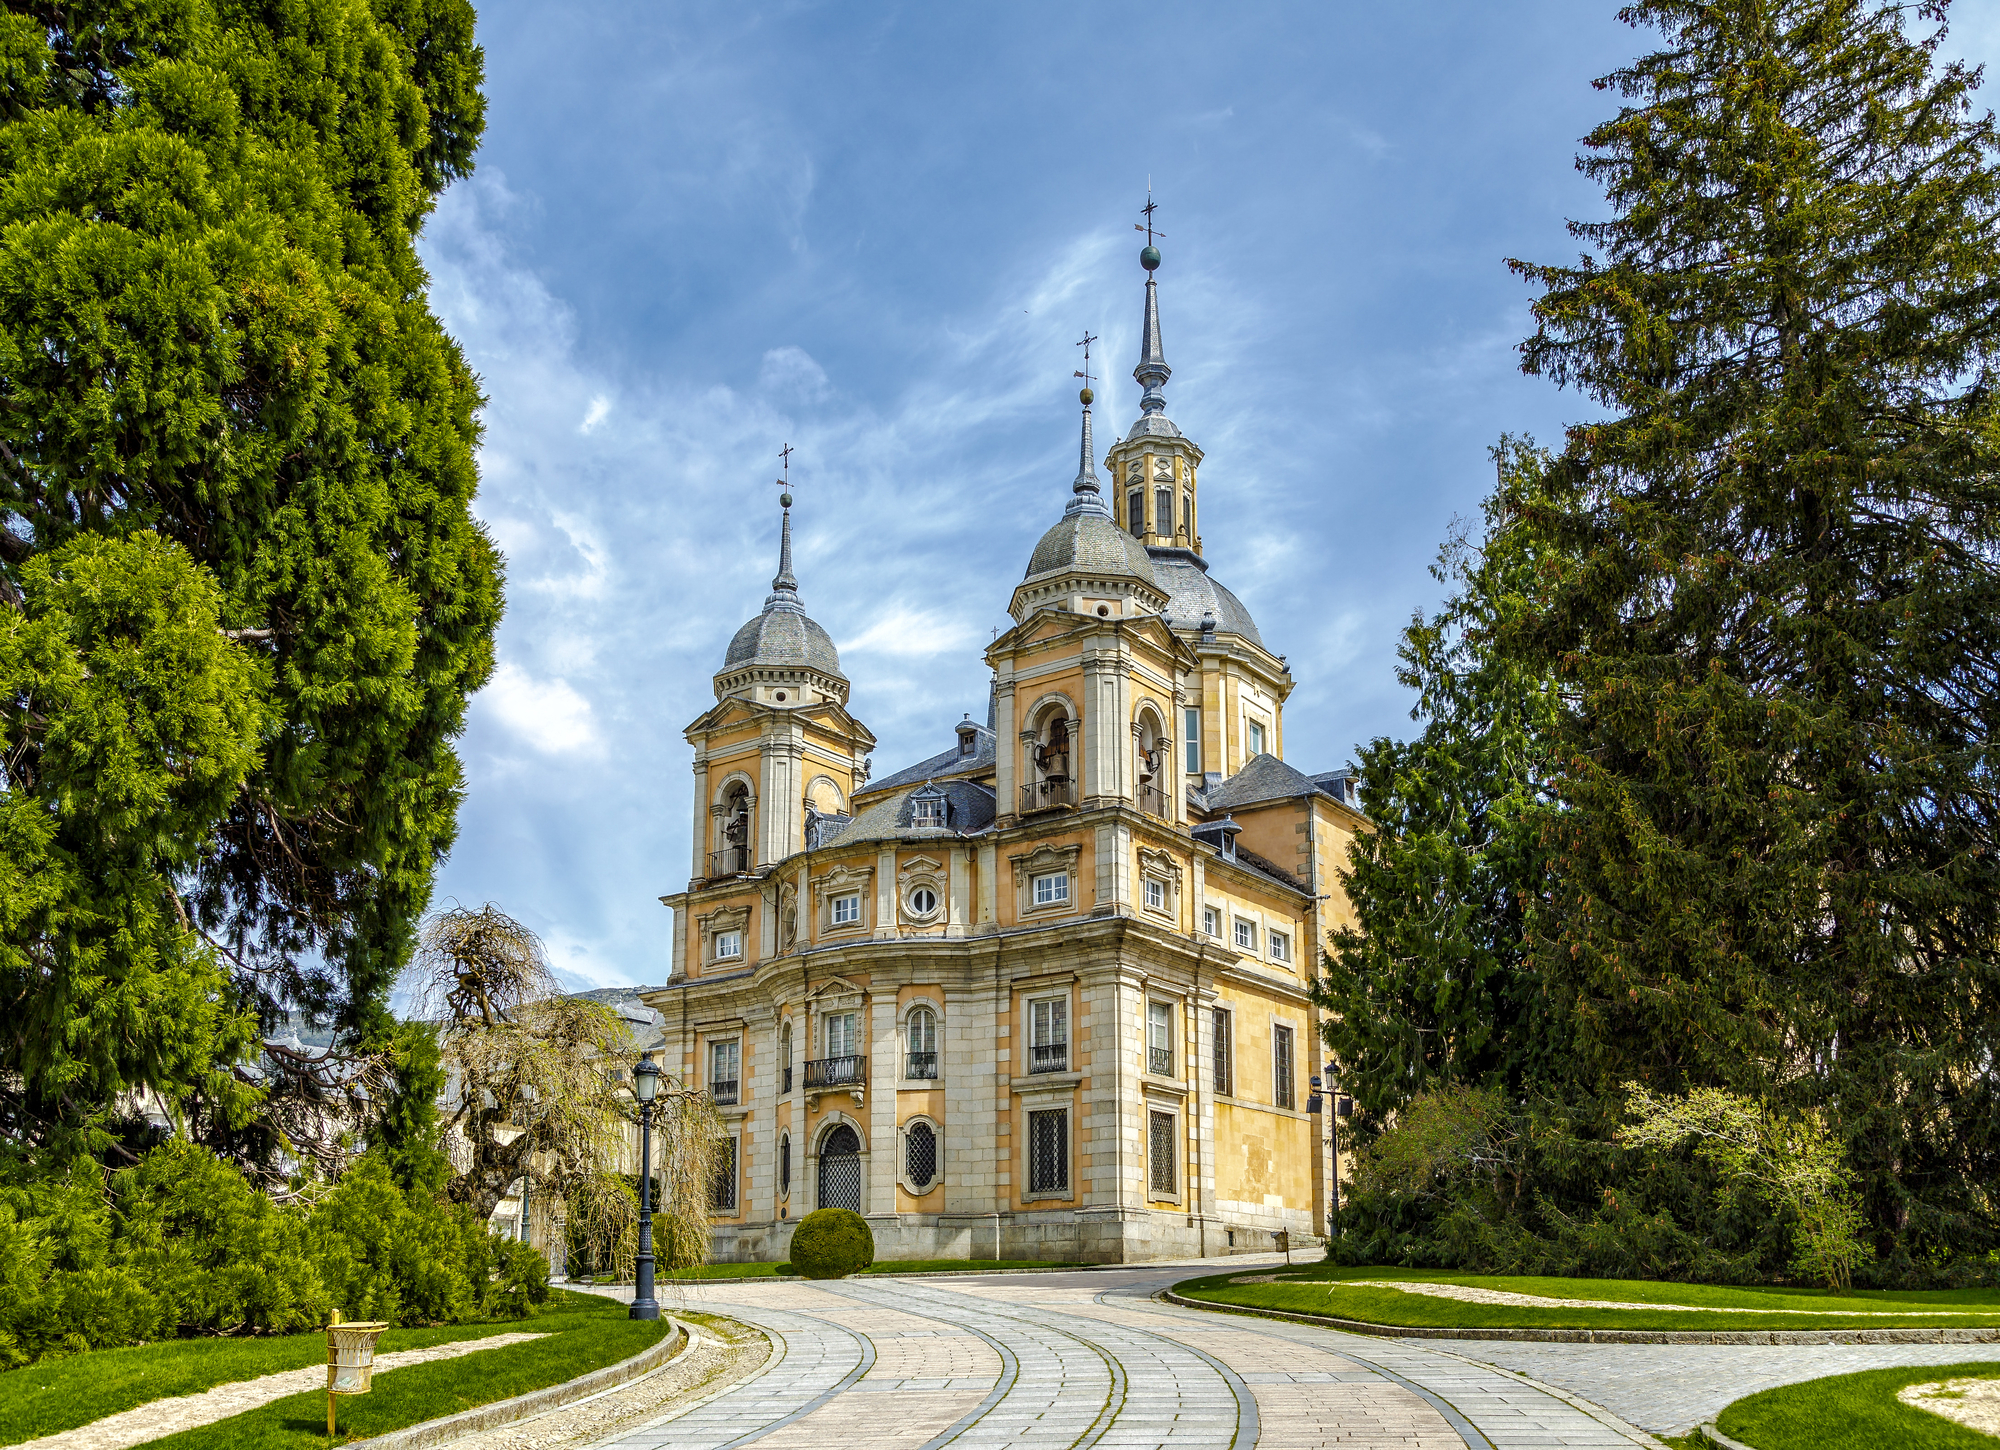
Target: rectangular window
{"x": 725, "y": 1061}
{"x": 1048, "y": 1035}
{"x": 722, "y": 1192}
{"x": 1191, "y": 734}
{"x": 1256, "y": 738}
{"x": 1160, "y": 1152}
{"x": 728, "y": 944}
{"x": 1281, "y": 1067}
{"x": 1160, "y": 1038}
{"x": 1051, "y": 890}
{"x": 1156, "y": 894}
{"x": 1246, "y": 935}
{"x": 846, "y": 910}
{"x": 842, "y": 1034}
{"x": 927, "y": 811}
{"x": 1211, "y": 921}
{"x": 1281, "y": 946}
{"x": 1048, "y": 1151}
{"x": 1135, "y": 505}
{"x": 1163, "y": 510}
{"x": 1225, "y": 1066}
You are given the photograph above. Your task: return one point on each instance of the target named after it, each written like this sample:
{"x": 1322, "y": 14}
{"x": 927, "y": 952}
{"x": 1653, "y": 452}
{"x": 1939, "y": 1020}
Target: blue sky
{"x": 700, "y": 232}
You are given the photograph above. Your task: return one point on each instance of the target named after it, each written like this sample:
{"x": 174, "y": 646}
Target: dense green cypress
{"x": 1430, "y": 984}
{"x": 1770, "y": 596}
{"x": 217, "y": 361}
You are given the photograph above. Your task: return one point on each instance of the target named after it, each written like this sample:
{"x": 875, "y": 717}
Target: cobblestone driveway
{"x": 1070, "y": 1361}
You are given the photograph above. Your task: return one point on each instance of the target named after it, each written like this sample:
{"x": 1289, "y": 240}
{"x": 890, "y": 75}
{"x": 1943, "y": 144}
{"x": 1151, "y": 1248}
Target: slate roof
{"x": 1267, "y": 778}
{"x": 784, "y": 638}
{"x": 969, "y": 808}
{"x": 948, "y": 762}
{"x": 1191, "y": 594}
{"x": 1091, "y": 543}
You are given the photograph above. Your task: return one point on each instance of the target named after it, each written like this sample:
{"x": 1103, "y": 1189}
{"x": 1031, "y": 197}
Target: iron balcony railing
{"x": 731, "y": 861}
{"x": 826, "y": 1072}
{"x": 1160, "y": 1061}
{"x": 921, "y": 1065}
{"x": 1048, "y": 794}
{"x": 724, "y": 1090}
{"x": 1152, "y": 800}
{"x": 784, "y": 1080}
{"x": 1051, "y": 1058}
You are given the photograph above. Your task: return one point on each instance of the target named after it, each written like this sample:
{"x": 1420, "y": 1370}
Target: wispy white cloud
{"x": 546, "y": 714}
{"x": 599, "y": 410}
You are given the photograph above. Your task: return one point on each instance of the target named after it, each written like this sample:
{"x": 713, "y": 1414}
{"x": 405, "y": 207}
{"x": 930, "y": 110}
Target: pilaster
{"x": 881, "y": 1113}
{"x": 885, "y": 894}
{"x": 958, "y": 892}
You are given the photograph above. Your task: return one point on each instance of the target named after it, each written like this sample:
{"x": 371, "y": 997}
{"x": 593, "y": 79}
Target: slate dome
{"x": 1089, "y": 542}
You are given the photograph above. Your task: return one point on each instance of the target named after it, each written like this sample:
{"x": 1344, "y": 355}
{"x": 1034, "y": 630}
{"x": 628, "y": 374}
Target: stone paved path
{"x": 1072, "y": 1361}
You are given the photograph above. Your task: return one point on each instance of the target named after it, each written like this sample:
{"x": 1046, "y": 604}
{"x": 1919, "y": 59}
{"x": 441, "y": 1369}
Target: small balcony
{"x": 1054, "y": 1057}
{"x": 921, "y": 1065}
{"x": 732, "y": 861}
{"x": 1152, "y": 800}
{"x": 784, "y": 1081}
{"x": 725, "y": 1091}
{"x": 830, "y": 1072}
{"x": 1160, "y": 1061}
{"x": 1057, "y": 790}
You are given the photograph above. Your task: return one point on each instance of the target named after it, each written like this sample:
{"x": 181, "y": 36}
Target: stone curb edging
{"x": 1613, "y": 1336}
{"x": 534, "y": 1402}
{"x": 1710, "y": 1432}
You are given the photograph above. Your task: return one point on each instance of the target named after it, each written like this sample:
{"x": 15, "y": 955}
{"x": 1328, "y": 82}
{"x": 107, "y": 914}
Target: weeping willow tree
{"x": 537, "y": 1089}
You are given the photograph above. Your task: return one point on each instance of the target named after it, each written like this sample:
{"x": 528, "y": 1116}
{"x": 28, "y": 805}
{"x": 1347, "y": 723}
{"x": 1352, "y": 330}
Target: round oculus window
{"x": 1104, "y": 610}
{"x": 923, "y": 901}
{"x": 781, "y": 694}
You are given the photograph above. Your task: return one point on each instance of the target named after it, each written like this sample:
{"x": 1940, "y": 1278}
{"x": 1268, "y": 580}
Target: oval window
{"x": 923, "y": 901}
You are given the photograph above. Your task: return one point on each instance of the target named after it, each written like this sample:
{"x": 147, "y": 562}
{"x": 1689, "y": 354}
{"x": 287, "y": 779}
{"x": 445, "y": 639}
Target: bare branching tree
{"x": 537, "y": 1088}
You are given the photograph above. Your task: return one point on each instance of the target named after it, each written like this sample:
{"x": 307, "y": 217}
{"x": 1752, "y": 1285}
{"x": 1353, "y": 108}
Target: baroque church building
{"x": 1042, "y": 995}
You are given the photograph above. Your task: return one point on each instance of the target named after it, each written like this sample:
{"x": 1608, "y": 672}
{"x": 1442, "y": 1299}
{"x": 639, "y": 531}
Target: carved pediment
{"x": 1043, "y": 859}
{"x": 724, "y": 918}
{"x": 919, "y": 868}
{"x": 833, "y": 987}
{"x": 1162, "y": 864}
{"x": 841, "y": 880}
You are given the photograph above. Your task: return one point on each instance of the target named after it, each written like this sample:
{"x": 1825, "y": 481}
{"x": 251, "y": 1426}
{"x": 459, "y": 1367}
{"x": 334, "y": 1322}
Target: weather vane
{"x": 1084, "y": 372}
{"x": 785, "y": 483}
{"x": 1147, "y": 210}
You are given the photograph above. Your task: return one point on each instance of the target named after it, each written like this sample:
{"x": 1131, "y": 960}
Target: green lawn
{"x": 60, "y": 1394}
{"x": 1315, "y": 1291}
{"x": 882, "y": 1266}
{"x": 1854, "y": 1412}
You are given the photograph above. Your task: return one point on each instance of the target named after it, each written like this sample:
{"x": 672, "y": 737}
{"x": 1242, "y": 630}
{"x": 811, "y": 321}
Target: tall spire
{"x": 1152, "y": 372}
{"x": 784, "y": 586}
{"x": 1088, "y": 495}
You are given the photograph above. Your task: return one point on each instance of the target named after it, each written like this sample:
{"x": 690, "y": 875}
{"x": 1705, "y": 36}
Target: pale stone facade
{"x": 1044, "y": 994}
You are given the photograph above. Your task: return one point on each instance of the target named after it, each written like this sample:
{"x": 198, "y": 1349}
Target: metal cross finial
{"x": 1147, "y": 211}
{"x": 1084, "y": 372}
{"x": 785, "y": 483}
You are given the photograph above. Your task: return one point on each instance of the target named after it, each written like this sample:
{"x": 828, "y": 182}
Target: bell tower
{"x": 778, "y": 754}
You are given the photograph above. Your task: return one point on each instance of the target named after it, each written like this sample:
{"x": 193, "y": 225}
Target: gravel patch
{"x": 1973, "y": 1403}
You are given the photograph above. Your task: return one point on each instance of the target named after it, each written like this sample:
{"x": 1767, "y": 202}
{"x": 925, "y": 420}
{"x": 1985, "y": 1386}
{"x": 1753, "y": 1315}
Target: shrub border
{"x": 1610, "y": 1336}
{"x": 534, "y": 1402}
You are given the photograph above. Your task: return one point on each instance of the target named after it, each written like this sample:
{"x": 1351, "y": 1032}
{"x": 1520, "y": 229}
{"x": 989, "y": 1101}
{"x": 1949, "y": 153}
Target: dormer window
{"x": 928, "y": 810}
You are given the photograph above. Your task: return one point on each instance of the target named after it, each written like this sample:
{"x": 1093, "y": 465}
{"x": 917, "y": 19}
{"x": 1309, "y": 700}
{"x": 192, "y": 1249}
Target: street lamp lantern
{"x": 645, "y": 1087}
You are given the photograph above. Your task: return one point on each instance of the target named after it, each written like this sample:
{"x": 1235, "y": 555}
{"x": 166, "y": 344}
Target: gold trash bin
{"x": 350, "y": 1359}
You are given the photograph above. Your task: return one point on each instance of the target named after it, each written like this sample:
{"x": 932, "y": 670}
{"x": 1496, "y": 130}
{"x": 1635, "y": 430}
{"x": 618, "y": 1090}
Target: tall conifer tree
{"x": 229, "y": 422}
{"x": 1774, "y": 603}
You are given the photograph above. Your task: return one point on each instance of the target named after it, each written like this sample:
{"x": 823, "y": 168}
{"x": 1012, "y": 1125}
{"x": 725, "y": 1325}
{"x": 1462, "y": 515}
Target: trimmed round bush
{"x": 831, "y": 1242}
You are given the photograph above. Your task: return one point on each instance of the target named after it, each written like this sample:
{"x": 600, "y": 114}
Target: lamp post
{"x": 645, "y": 1086}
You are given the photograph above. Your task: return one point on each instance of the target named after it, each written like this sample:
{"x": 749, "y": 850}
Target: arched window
{"x": 840, "y": 1169}
{"x": 784, "y": 1165}
{"x": 923, "y": 1059}
{"x": 920, "y": 1156}
{"x": 1187, "y": 516}
{"x": 1163, "y": 511}
{"x": 1135, "y": 508}
{"x": 732, "y": 846}
{"x": 785, "y": 1056}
